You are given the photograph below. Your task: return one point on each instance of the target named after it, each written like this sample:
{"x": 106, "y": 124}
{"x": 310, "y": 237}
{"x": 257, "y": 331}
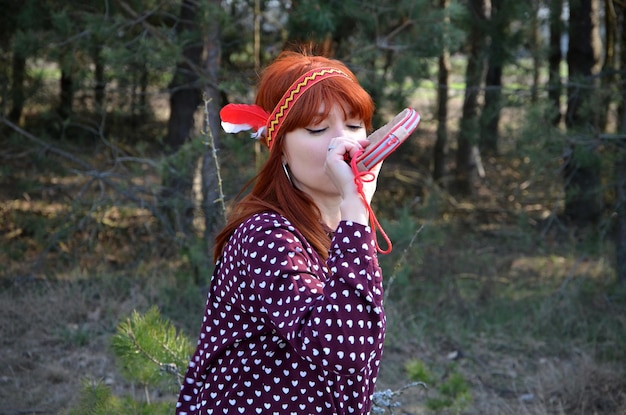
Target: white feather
{"x": 235, "y": 128}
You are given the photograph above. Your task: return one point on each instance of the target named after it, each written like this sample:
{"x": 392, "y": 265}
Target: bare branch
{"x": 46, "y": 146}
{"x": 211, "y": 143}
{"x": 89, "y": 170}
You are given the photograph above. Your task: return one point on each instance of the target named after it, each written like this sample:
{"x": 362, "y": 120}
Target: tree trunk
{"x": 213, "y": 203}
{"x": 610, "y": 68}
{"x": 554, "y": 59}
{"x": 583, "y": 58}
{"x": 584, "y": 201}
{"x": 186, "y": 94}
{"x": 620, "y": 192}
{"x": 144, "y": 82}
{"x": 620, "y": 166}
{"x": 67, "y": 94}
{"x": 185, "y": 97}
{"x": 257, "y": 34}
{"x": 441, "y": 145}
{"x": 100, "y": 80}
{"x": 469, "y": 128}
{"x": 536, "y": 50}
{"x": 17, "y": 87}
{"x": 490, "y": 117}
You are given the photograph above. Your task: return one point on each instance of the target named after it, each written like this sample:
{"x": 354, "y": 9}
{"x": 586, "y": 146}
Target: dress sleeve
{"x": 332, "y": 316}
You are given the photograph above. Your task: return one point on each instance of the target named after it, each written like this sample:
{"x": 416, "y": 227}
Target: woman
{"x": 294, "y": 322}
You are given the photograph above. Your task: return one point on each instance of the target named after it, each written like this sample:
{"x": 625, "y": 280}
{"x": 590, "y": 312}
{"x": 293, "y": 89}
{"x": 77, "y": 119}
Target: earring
{"x": 286, "y": 169}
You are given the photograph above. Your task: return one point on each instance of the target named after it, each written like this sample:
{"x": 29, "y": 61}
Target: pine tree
{"x": 150, "y": 352}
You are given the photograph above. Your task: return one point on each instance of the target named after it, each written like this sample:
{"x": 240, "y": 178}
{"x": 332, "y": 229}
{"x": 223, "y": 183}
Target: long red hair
{"x": 272, "y": 190}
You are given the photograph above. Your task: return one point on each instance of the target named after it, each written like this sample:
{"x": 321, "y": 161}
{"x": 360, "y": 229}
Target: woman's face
{"x": 305, "y": 150}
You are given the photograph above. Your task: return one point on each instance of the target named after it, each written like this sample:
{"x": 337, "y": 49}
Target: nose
{"x": 340, "y": 129}
{"x": 336, "y": 130}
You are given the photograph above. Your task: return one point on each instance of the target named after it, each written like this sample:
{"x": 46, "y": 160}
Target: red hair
{"x": 272, "y": 190}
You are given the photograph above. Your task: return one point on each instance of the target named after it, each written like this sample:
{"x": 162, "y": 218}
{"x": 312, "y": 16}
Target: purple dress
{"x": 285, "y": 333}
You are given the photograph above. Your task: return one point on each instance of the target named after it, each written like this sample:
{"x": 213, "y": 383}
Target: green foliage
{"x": 177, "y": 200}
{"x": 182, "y": 163}
{"x": 26, "y": 43}
{"x": 150, "y": 350}
{"x": 585, "y": 156}
{"x": 576, "y": 315}
{"x": 417, "y": 370}
{"x": 314, "y": 19}
{"x": 454, "y": 395}
{"x": 405, "y": 235}
{"x": 409, "y": 236}
{"x": 452, "y": 390}
{"x": 97, "y": 398}
{"x": 72, "y": 335}
{"x": 196, "y": 252}
{"x": 386, "y": 45}
{"x": 540, "y": 140}
{"x": 182, "y": 296}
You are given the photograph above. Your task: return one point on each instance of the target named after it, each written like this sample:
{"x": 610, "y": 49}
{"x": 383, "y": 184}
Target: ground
{"x": 56, "y": 327}
{"x": 56, "y": 335}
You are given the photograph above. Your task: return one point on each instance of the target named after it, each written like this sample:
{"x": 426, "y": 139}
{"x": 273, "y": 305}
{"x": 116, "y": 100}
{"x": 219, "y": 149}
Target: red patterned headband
{"x": 242, "y": 117}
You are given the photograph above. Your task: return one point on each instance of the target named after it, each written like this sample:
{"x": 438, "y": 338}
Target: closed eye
{"x": 315, "y": 130}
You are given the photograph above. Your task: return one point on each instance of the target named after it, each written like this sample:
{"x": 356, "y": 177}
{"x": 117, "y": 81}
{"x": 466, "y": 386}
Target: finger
{"x": 343, "y": 149}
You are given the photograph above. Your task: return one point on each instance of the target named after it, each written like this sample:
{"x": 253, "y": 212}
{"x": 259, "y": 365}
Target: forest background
{"x": 506, "y": 287}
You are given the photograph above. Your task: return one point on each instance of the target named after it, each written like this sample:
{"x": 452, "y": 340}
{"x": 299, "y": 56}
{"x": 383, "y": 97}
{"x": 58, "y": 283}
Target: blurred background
{"x": 506, "y": 286}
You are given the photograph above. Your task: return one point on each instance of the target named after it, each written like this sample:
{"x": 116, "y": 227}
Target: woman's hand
{"x": 340, "y": 151}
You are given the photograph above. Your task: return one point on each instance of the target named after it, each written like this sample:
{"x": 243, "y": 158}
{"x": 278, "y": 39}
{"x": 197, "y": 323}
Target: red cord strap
{"x": 359, "y": 178}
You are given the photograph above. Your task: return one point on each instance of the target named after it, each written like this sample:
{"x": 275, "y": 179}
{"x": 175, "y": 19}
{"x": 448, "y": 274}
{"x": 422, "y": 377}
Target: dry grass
{"x": 55, "y": 334}
{"x": 492, "y": 289}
